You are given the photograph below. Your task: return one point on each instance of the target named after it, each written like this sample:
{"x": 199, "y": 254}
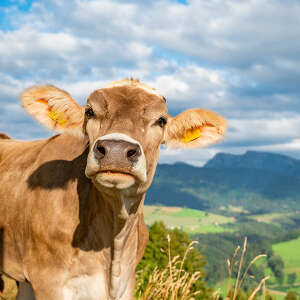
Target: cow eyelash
{"x": 161, "y": 122}
{"x": 89, "y": 112}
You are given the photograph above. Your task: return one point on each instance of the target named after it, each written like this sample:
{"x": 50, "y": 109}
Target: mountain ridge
{"x": 258, "y": 182}
{"x": 256, "y": 160}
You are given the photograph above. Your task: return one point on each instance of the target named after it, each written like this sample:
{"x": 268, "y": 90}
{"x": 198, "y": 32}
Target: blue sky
{"x": 23, "y": 5}
{"x": 240, "y": 58}
{"x": 6, "y": 9}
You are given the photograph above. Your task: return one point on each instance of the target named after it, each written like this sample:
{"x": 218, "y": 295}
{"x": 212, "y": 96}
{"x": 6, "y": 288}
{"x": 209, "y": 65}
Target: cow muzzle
{"x": 116, "y": 161}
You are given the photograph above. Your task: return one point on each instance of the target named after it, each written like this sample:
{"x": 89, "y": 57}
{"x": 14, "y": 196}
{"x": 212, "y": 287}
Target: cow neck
{"x": 120, "y": 210}
{"x": 123, "y": 217}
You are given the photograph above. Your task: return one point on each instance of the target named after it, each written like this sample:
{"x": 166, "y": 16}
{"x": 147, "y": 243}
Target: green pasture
{"x": 222, "y": 286}
{"x": 189, "y": 220}
{"x": 290, "y": 253}
{"x": 274, "y": 218}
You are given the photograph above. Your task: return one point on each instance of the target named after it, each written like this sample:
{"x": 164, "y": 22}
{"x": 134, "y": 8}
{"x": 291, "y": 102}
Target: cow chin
{"x": 114, "y": 180}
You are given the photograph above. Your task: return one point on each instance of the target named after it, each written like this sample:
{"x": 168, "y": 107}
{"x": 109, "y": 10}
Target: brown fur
{"x": 57, "y": 226}
{"x": 4, "y": 136}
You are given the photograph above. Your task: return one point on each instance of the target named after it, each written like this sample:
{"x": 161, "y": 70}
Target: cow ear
{"x": 195, "y": 128}
{"x": 53, "y": 108}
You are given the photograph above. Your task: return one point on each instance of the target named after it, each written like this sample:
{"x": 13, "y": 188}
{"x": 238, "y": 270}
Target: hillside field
{"x": 284, "y": 218}
{"x": 290, "y": 253}
{"x": 189, "y": 220}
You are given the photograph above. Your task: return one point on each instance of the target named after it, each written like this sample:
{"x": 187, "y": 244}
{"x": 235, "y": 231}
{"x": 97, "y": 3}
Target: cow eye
{"x": 89, "y": 112}
{"x": 161, "y": 122}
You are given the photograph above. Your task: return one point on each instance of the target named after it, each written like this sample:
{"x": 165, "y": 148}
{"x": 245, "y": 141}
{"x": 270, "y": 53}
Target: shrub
{"x": 169, "y": 264}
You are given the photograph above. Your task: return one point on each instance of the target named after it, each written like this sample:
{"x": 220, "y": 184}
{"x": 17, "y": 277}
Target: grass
{"x": 234, "y": 209}
{"x": 188, "y": 212}
{"x": 274, "y": 218}
{"x": 290, "y": 253}
{"x": 209, "y": 228}
{"x": 189, "y": 220}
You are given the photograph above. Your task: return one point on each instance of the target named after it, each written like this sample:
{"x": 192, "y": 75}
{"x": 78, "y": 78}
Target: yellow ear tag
{"x": 57, "y": 117}
{"x": 191, "y": 135}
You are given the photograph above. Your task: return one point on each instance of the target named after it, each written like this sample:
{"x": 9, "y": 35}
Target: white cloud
{"x": 192, "y": 85}
{"x": 196, "y": 157}
{"x": 272, "y": 131}
{"x": 240, "y": 58}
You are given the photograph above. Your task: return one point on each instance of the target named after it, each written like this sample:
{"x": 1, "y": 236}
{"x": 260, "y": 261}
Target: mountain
{"x": 256, "y": 160}
{"x": 256, "y": 182}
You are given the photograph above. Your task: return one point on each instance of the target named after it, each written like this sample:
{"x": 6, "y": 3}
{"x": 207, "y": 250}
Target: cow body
{"x": 71, "y": 206}
{"x": 65, "y": 226}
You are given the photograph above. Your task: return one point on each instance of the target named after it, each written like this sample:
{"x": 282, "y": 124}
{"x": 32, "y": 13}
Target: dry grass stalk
{"x": 216, "y": 295}
{"x": 230, "y": 264}
{"x": 258, "y": 287}
{"x": 173, "y": 282}
{"x": 264, "y": 291}
{"x": 236, "y": 288}
{"x": 240, "y": 279}
{"x": 248, "y": 267}
{"x": 188, "y": 249}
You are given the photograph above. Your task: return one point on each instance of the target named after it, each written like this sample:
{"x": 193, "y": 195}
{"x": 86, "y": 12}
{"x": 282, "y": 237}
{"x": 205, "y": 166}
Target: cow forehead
{"x": 127, "y": 95}
{"x": 134, "y": 83}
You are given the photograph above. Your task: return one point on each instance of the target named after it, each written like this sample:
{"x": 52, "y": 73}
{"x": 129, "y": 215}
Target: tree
{"x": 156, "y": 255}
{"x": 292, "y": 278}
{"x": 277, "y": 265}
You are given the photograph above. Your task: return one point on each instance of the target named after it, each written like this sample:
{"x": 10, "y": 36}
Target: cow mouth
{"x": 115, "y": 179}
{"x": 115, "y": 173}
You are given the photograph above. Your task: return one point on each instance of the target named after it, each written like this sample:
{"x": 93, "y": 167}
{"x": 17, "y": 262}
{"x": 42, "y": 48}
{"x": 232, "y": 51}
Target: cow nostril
{"x": 101, "y": 149}
{"x": 131, "y": 153}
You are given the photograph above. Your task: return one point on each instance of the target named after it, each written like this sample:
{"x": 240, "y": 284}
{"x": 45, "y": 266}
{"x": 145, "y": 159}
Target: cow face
{"x": 124, "y": 123}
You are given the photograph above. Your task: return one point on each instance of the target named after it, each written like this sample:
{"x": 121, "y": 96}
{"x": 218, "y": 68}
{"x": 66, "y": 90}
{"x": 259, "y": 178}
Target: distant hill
{"x": 256, "y": 182}
{"x": 256, "y": 160}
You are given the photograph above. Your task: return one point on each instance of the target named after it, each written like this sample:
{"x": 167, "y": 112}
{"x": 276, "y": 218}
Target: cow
{"x": 71, "y": 206}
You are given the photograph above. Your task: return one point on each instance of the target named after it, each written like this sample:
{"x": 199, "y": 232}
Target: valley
{"x": 255, "y": 195}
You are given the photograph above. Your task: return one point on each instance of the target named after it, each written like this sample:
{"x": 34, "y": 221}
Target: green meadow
{"x": 186, "y": 219}
{"x": 290, "y": 253}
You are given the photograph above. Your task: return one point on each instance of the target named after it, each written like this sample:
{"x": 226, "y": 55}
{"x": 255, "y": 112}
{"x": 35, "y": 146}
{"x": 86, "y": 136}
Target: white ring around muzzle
{"x": 140, "y": 168}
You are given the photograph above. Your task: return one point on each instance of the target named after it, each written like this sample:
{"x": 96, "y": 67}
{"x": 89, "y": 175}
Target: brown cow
{"x": 71, "y": 205}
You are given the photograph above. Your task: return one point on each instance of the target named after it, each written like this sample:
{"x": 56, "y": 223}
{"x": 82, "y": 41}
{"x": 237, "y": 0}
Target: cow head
{"x": 124, "y": 125}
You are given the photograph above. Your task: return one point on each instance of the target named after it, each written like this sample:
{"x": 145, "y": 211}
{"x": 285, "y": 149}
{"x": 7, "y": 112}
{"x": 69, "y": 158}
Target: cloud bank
{"x": 240, "y": 58}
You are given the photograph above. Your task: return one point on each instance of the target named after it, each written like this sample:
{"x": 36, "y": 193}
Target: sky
{"x": 240, "y": 58}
